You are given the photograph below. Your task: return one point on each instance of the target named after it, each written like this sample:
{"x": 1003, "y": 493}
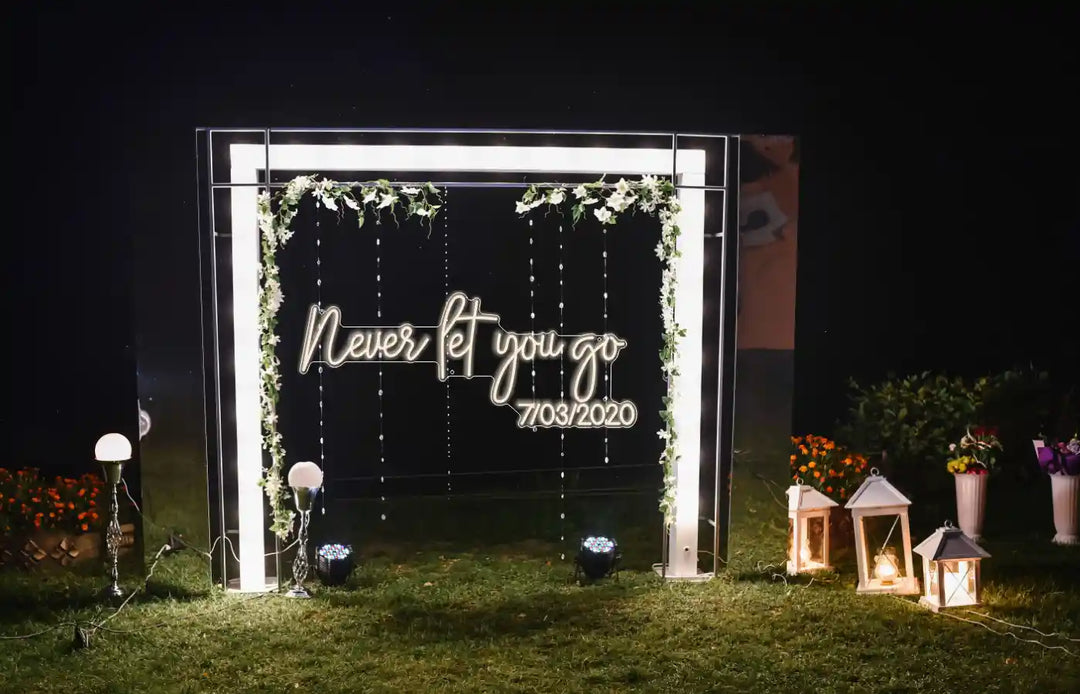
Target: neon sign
{"x": 455, "y": 339}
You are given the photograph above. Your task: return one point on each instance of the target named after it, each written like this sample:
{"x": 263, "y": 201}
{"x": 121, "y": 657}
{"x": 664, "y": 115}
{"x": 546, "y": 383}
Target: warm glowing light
{"x": 305, "y": 475}
{"x": 112, "y": 448}
{"x": 957, "y": 591}
{"x": 804, "y": 553}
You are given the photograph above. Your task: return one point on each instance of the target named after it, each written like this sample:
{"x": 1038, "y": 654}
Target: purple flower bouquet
{"x": 1060, "y": 458}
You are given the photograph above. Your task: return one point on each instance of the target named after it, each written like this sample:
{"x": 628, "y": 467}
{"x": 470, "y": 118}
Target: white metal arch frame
{"x": 247, "y": 163}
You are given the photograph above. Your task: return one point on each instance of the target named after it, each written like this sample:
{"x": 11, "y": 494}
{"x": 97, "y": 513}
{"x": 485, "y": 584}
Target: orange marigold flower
{"x": 82, "y": 515}
{"x": 796, "y": 439}
{"x": 802, "y": 468}
{"x": 804, "y": 450}
{"x": 793, "y": 457}
{"x": 82, "y": 492}
{"x": 817, "y": 474}
{"x": 811, "y": 464}
{"x": 829, "y": 445}
{"x": 59, "y": 504}
{"x": 85, "y": 527}
{"x": 71, "y": 505}
{"x": 815, "y": 450}
{"x": 828, "y": 489}
{"x": 847, "y": 460}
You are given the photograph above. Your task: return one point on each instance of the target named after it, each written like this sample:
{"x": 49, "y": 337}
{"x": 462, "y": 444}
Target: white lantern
{"x": 808, "y": 529}
{"x": 951, "y": 569}
{"x": 883, "y": 568}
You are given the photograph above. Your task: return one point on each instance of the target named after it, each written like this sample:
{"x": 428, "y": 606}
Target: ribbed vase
{"x": 1066, "y": 493}
{"x": 971, "y": 503}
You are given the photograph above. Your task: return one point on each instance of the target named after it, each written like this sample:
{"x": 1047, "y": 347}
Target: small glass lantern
{"x": 951, "y": 569}
{"x": 884, "y": 564}
{"x": 808, "y": 529}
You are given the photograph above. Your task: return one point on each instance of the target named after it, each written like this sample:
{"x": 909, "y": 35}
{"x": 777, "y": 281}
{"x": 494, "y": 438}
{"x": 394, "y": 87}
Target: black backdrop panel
{"x": 386, "y": 274}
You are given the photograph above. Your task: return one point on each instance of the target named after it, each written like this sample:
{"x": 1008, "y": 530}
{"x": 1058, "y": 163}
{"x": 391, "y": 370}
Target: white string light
{"x": 562, "y": 397}
{"x": 532, "y": 305}
{"x": 446, "y": 289}
{"x": 322, "y": 358}
{"x": 607, "y": 365}
{"x": 378, "y": 313}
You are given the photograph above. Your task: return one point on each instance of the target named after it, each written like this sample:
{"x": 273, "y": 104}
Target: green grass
{"x": 507, "y": 618}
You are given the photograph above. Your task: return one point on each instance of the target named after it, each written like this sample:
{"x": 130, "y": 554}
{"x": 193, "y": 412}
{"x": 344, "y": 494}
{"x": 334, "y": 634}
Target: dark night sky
{"x": 939, "y": 225}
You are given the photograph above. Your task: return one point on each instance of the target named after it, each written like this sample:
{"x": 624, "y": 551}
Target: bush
{"x": 29, "y": 501}
{"x": 914, "y": 418}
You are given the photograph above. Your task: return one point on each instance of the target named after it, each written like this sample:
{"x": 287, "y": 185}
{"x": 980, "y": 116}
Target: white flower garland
{"x": 374, "y": 198}
{"x": 653, "y": 196}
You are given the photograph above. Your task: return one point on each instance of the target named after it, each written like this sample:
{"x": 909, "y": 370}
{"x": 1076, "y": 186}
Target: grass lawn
{"x": 506, "y": 618}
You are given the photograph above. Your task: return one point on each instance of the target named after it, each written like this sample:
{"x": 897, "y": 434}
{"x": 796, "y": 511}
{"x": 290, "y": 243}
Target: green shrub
{"x": 914, "y": 418}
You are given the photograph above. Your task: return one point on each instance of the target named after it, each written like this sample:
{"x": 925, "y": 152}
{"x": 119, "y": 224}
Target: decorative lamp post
{"x": 305, "y": 478}
{"x": 808, "y": 533}
{"x": 951, "y": 569}
{"x": 112, "y": 451}
{"x": 881, "y": 568}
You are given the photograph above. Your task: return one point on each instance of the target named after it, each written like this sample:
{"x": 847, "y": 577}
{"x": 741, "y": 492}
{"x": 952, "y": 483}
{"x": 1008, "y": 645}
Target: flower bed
{"x": 44, "y": 519}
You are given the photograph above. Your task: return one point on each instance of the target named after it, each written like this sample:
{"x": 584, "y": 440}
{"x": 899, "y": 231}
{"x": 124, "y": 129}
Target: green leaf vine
{"x": 378, "y": 199}
{"x": 606, "y": 202}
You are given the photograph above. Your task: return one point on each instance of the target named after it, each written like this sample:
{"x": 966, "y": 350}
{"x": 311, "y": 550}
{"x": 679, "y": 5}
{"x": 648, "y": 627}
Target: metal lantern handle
{"x": 875, "y": 472}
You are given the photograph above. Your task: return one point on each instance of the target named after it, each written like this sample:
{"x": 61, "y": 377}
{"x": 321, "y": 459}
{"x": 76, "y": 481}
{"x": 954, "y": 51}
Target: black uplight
{"x": 598, "y": 557}
{"x": 334, "y": 563}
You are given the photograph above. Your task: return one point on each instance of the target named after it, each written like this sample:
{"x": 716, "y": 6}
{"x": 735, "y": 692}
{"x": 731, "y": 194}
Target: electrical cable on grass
{"x": 958, "y": 618}
{"x": 1053, "y": 634}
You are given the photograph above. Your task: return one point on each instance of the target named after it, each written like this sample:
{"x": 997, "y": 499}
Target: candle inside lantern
{"x": 885, "y": 567}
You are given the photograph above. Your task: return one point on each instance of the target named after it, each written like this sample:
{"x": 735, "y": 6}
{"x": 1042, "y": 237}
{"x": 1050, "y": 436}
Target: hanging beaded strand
{"x": 607, "y": 366}
{"x": 532, "y": 306}
{"x": 446, "y": 289}
{"x": 322, "y": 357}
{"x": 562, "y": 397}
{"x": 378, "y": 313}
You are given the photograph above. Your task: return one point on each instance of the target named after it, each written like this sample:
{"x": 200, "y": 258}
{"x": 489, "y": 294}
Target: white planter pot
{"x": 1065, "y": 490}
{"x": 971, "y": 503}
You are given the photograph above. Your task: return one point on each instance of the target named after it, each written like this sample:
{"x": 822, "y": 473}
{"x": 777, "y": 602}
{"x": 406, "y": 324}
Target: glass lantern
{"x": 951, "y": 566}
{"x": 808, "y": 529}
{"x": 882, "y": 538}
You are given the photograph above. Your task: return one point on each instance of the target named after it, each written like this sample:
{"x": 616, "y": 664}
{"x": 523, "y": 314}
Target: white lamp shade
{"x": 305, "y": 475}
{"x": 112, "y": 448}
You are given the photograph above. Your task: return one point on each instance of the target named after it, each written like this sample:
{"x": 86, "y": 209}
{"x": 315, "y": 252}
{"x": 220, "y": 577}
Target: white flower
{"x": 370, "y": 196}
{"x": 589, "y": 201}
{"x": 386, "y": 200}
{"x": 649, "y": 181}
{"x": 663, "y": 434}
{"x": 329, "y": 202}
{"x": 622, "y": 187}
{"x": 556, "y": 196}
{"x": 423, "y": 211}
{"x": 952, "y": 447}
{"x": 522, "y": 207}
{"x": 617, "y": 201}
{"x": 659, "y": 250}
{"x": 352, "y": 203}
{"x": 580, "y": 192}
{"x": 409, "y": 190}
{"x": 603, "y": 214}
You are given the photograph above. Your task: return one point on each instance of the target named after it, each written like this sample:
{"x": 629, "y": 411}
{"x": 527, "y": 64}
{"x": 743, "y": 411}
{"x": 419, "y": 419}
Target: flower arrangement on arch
{"x": 30, "y": 502}
{"x": 1060, "y": 457}
{"x": 831, "y": 469}
{"x": 976, "y": 453}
